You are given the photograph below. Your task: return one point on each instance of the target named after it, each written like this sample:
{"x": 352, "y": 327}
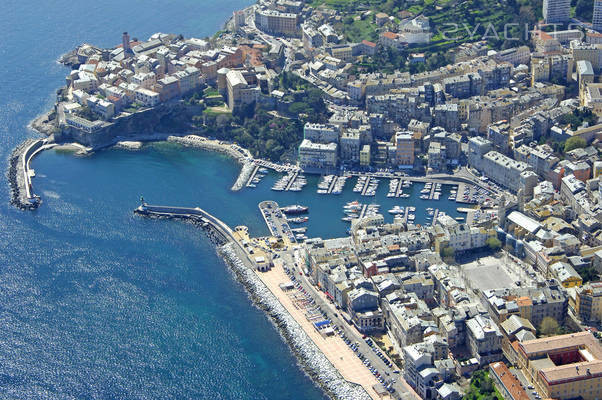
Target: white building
{"x": 416, "y": 30}
{"x": 597, "y": 19}
{"x": 147, "y": 97}
{"x": 321, "y": 133}
{"x": 503, "y": 170}
{"x": 484, "y": 339}
{"x": 556, "y": 11}
{"x": 317, "y": 155}
{"x": 144, "y": 79}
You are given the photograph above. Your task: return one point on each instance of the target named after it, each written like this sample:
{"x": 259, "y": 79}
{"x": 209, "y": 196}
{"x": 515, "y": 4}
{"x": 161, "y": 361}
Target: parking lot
{"x": 276, "y": 221}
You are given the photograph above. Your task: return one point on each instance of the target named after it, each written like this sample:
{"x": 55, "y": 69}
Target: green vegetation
{"x": 356, "y": 30}
{"x": 88, "y": 114}
{"x": 504, "y": 24}
{"x": 214, "y": 101}
{"x": 210, "y": 91}
{"x": 574, "y": 143}
{"x": 448, "y": 254}
{"x": 493, "y": 243}
{"x": 589, "y": 273}
{"x": 482, "y": 388}
{"x": 548, "y": 327}
{"x": 578, "y": 117}
{"x": 264, "y": 135}
{"x": 584, "y": 9}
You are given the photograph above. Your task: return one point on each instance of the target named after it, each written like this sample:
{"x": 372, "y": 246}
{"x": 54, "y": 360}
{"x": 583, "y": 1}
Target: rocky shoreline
{"x": 310, "y": 357}
{"x": 15, "y": 177}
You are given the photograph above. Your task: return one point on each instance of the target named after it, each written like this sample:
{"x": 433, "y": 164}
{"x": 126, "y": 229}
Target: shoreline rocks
{"x": 15, "y": 176}
{"x": 309, "y": 356}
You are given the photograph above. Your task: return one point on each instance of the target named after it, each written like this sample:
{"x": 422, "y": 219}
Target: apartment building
{"x": 240, "y": 91}
{"x": 556, "y": 11}
{"x": 321, "y": 133}
{"x": 484, "y": 339}
{"x": 504, "y": 170}
{"x": 317, "y": 155}
{"x": 597, "y": 18}
{"x": 404, "y": 148}
{"x": 277, "y": 22}
{"x": 588, "y": 302}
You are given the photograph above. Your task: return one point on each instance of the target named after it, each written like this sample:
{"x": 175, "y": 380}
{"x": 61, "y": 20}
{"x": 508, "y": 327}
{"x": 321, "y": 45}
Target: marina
{"x": 332, "y": 184}
{"x": 293, "y": 181}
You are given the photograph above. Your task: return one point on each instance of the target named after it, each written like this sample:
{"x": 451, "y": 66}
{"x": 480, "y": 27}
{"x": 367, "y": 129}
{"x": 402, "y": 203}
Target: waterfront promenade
{"x": 333, "y": 347}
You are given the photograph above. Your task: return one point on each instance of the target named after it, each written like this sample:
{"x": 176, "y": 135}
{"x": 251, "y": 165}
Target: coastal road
{"x": 402, "y": 389}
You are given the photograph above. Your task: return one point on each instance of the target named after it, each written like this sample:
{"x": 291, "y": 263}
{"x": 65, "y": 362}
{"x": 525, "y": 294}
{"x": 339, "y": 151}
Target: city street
{"x": 402, "y": 389}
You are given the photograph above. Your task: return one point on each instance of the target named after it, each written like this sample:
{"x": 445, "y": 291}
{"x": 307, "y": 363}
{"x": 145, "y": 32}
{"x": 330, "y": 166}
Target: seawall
{"x": 310, "y": 357}
{"x": 20, "y": 173}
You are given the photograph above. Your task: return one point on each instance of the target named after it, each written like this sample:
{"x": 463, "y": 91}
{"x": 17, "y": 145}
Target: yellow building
{"x": 563, "y": 367}
{"x": 597, "y": 169}
{"x": 588, "y": 302}
{"x": 365, "y": 155}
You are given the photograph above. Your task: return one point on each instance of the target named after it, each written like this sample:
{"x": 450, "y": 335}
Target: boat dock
{"x": 366, "y": 186}
{"x": 333, "y": 184}
{"x": 435, "y": 215}
{"x": 249, "y": 182}
{"x": 291, "y": 181}
{"x": 432, "y": 193}
{"x": 363, "y": 211}
{"x": 399, "y": 190}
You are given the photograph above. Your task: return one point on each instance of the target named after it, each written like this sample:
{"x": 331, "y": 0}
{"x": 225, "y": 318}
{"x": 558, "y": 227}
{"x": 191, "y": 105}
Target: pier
{"x": 276, "y": 221}
{"x": 20, "y": 173}
{"x": 363, "y": 211}
{"x": 432, "y": 193}
{"x": 223, "y": 231}
{"x": 250, "y": 180}
{"x": 366, "y": 185}
{"x": 292, "y": 180}
{"x": 399, "y": 190}
{"x": 332, "y": 184}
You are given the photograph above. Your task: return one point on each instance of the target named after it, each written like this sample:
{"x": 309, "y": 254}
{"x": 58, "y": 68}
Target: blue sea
{"x": 96, "y": 303}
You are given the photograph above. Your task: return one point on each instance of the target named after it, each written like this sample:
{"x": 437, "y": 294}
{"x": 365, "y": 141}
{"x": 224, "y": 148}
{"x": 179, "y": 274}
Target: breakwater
{"x": 20, "y": 173}
{"x": 313, "y": 361}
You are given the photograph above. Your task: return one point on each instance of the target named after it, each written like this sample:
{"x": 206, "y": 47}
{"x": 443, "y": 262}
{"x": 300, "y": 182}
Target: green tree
{"x": 493, "y": 243}
{"x": 584, "y": 10}
{"x": 549, "y": 326}
{"x": 573, "y": 143}
{"x": 448, "y": 253}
